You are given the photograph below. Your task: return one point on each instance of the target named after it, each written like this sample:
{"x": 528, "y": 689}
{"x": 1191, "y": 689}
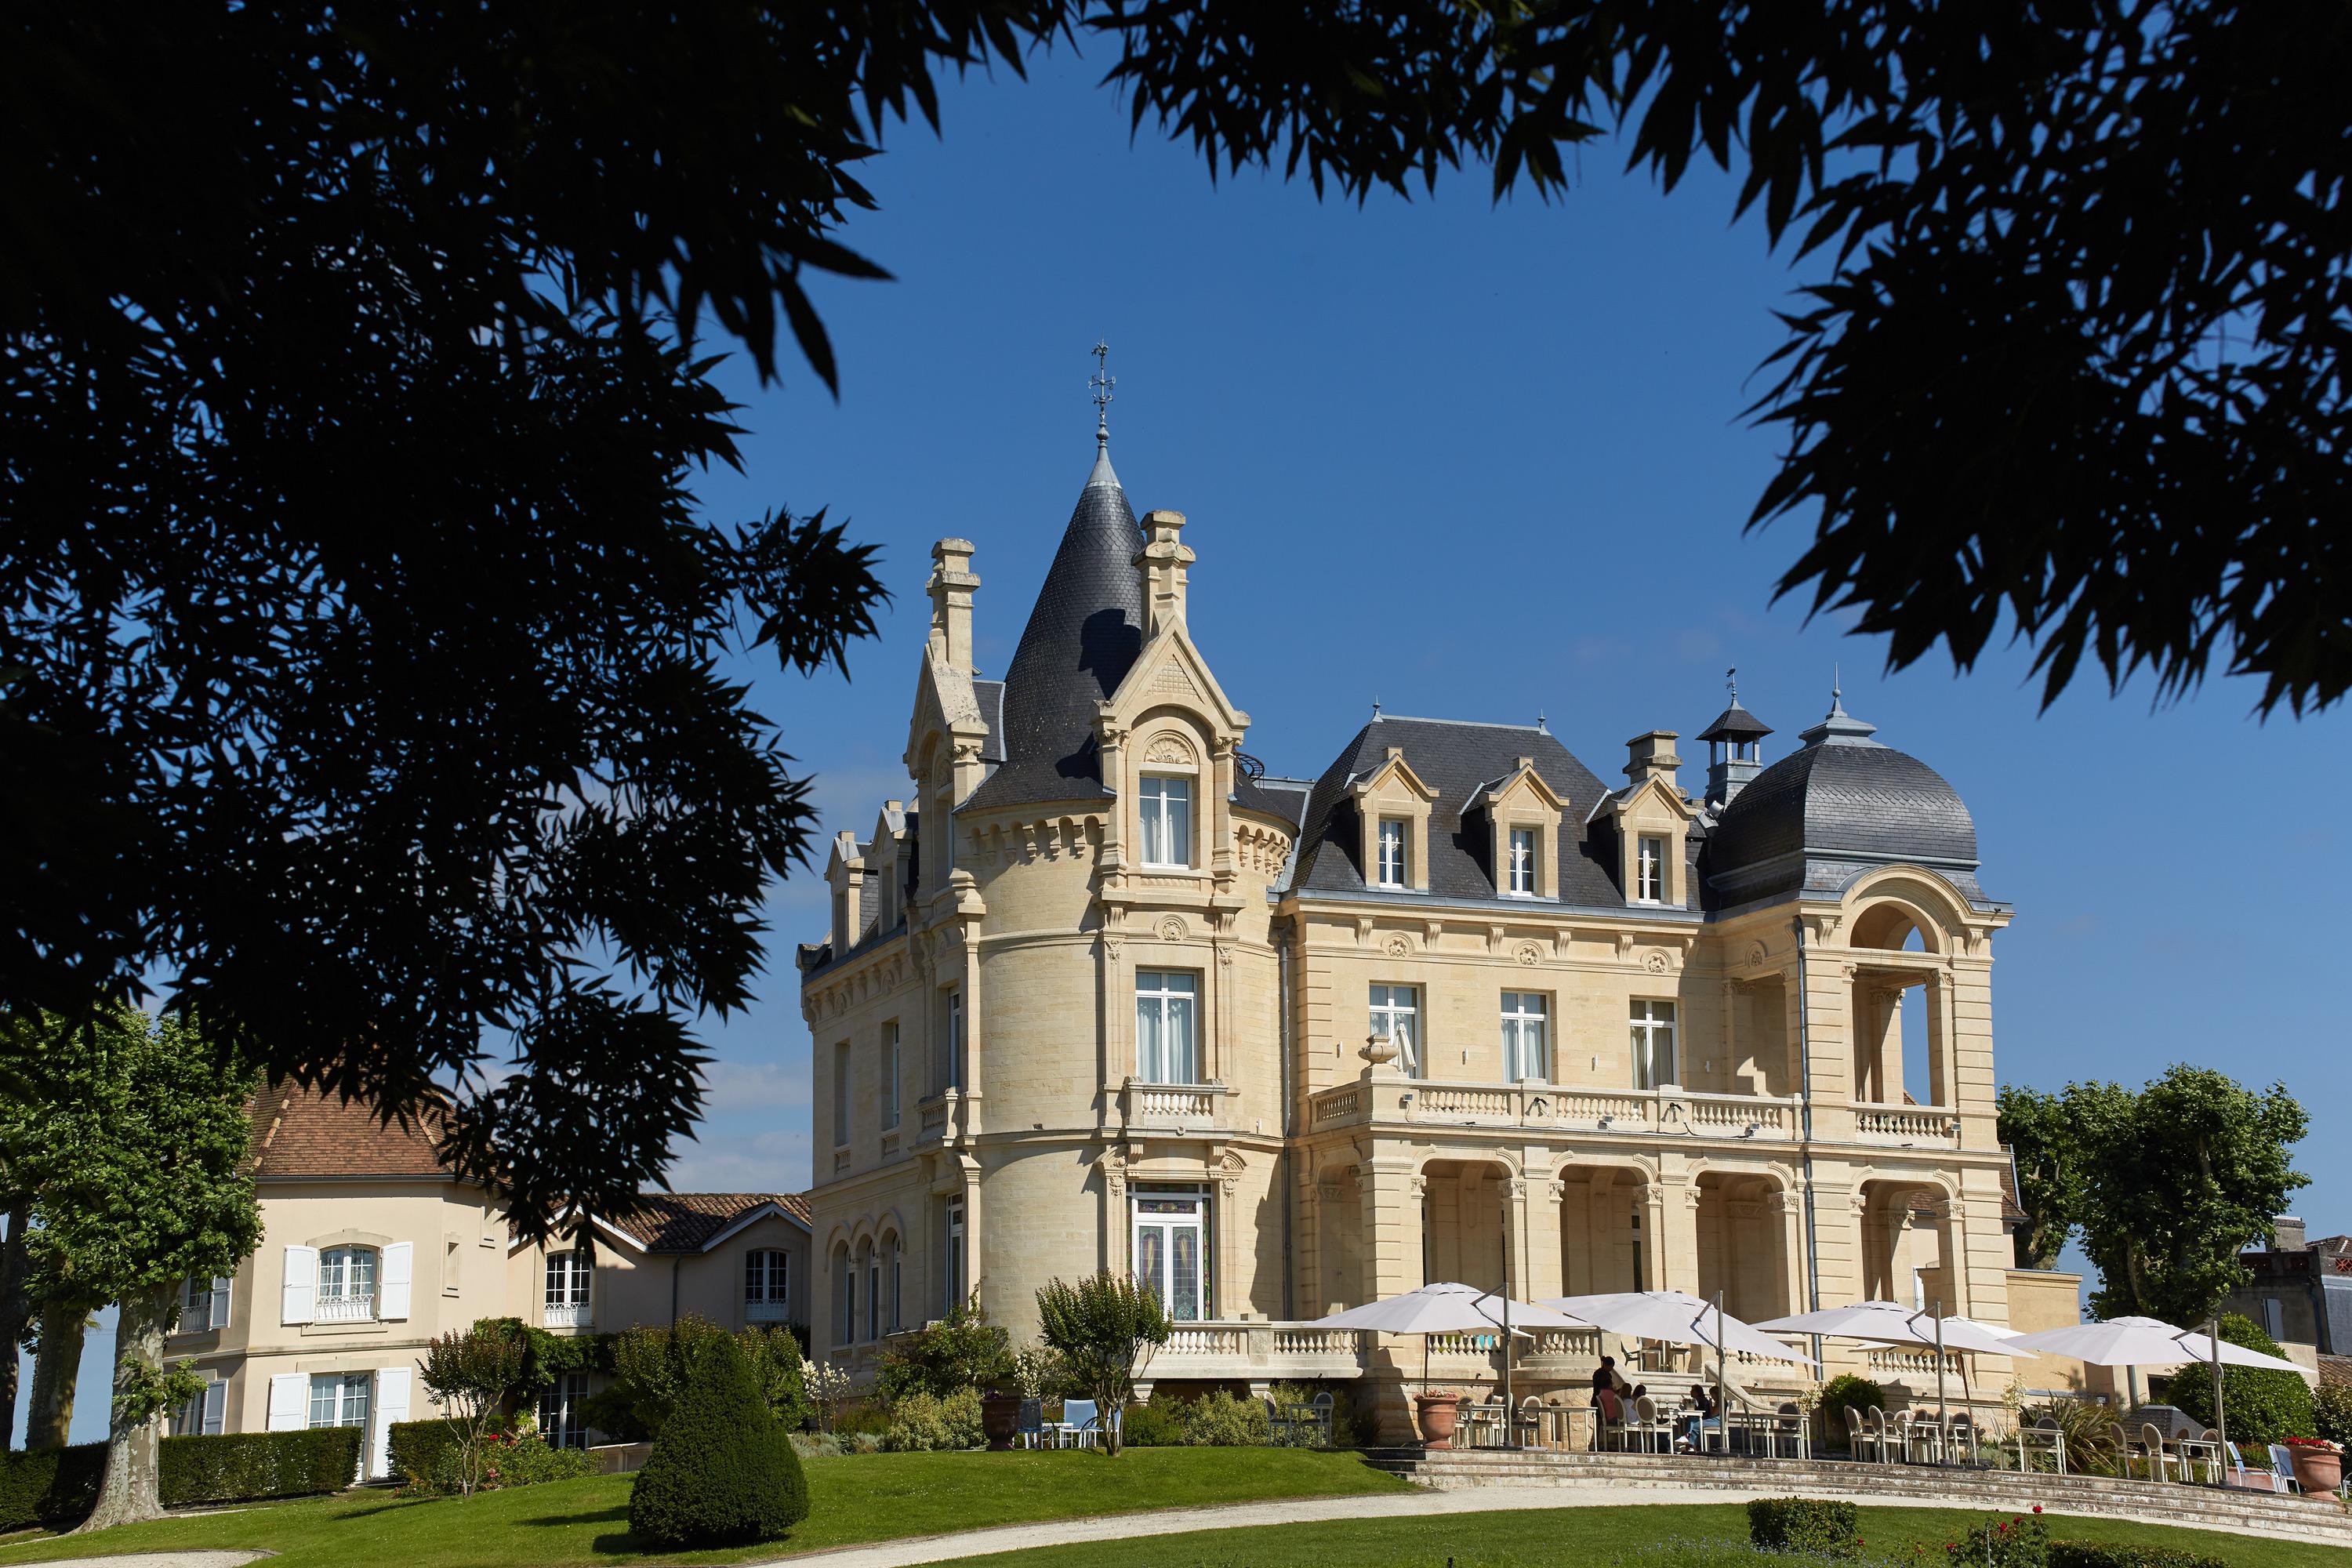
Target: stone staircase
{"x": 2195, "y": 1506}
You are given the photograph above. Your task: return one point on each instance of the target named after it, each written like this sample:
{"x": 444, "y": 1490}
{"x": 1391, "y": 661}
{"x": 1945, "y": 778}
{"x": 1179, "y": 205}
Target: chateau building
{"x": 1101, "y": 993}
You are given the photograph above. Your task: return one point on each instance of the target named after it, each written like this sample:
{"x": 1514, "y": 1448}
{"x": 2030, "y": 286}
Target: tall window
{"x": 1171, "y": 1251}
{"x": 873, "y": 1293}
{"x": 203, "y": 1304}
{"x": 767, "y": 1286}
{"x": 566, "y": 1305}
{"x": 1523, "y": 861}
{"x": 891, "y": 1075}
{"x": 897, "y": 1281}
{"x": 559, "y": 1411}
{"x": 954, "y": 1073}
{"x": 1525, "y": 1016}
{"x": 1166, "y": 1009}
{"x": 346, "y": 1284}
{"x": 1650, "y": 868}
{"x": 1654, "y": 1045}
{"x": 951, "y": 1274}
{"x": 1396, "y": 1012}
{"x": 841, "y": 1094}
{"x": 1390, "y": 870}
{"x": 1167, "y": 822}
{"x": 844, "y": 1297}
{"x": 339, "y": 1398}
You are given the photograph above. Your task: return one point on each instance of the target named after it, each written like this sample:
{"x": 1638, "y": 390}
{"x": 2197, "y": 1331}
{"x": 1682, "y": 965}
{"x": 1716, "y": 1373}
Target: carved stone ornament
{"x": 1754, "y": 954}
{"x": 1170, "y": 749}
{"x": 1654, "y": 962}
{"x": 1399, "y": 946}
{"x": 1530, "y": 954}
{"x": 1172, "y": 928}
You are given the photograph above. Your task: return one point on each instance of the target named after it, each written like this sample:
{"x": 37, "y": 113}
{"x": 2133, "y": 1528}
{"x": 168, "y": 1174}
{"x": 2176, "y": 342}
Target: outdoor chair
{"x": 1536, "y": 1421}
{"x": 1030, "y": 1431}
{"x": 1856, "y": 1439}
{"x": 2162, "y": 1462}
{"x": 1653, "y": 1426}
{"x": 2282, "y": 1468}
{"x": 1960, "y": 1440}
{"x": 1787, "y": 1430}
{"x": 1612, "y": 1430}
{"x": 2200, "y": 1450}
{"x": 1882, "y": 1436}
{"x": 1078, "y": 1423}
{"x": 1922, "y": 1437}
{"x": 2041, "y": 1437}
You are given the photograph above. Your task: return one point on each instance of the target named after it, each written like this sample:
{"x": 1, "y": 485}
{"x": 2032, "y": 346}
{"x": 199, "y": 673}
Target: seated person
{"x": 1704, "y": 1414}
{"x": 1606, "y": 1375}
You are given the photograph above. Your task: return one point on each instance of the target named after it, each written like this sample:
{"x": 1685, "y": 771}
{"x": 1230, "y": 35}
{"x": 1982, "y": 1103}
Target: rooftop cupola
{"x": 1735, "y": 749}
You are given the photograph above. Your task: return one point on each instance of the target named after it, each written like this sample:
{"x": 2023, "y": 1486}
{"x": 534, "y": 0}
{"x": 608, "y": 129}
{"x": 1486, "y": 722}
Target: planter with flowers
{"x": 1439, "y": 1409}
{"x": 2318, "y": 1465}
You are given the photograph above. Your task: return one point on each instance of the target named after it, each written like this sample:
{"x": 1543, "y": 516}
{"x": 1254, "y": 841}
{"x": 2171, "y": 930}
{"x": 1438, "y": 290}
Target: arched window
{"x": 347, "y": 1276}
{"x": 892, "y": 1320}
{"x": 844, "y": 1298}
{"x": 873, "y": 1267}
{"x": 767, "y": 1286}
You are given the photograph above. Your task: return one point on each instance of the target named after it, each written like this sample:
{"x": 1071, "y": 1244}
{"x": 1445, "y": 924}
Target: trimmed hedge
{"x": 417, "y": 1447}
{"x": 1819, "y": 1525}
{"x": 2103, "y": 1554}
{"x": 722, "y": 1471}
{"x": 58, "y": 1487}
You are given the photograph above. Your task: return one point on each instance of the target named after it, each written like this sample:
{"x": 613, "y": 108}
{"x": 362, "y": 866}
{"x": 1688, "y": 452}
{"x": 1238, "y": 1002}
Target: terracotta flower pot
{"x": 1438, "y": 1414}
{"x": 1000, "y": 1417}
{"x": 2317, "y": 1471}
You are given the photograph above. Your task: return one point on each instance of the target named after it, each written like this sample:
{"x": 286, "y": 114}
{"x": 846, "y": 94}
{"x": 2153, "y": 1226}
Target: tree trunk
{"x": 15, "y": 1308}
{"x": 131, "y": 1491}
{"x": 56, "y": 1369}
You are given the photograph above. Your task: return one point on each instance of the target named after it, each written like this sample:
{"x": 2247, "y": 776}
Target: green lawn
{"x": 872, "y": 1497}
{"x": 1632, "y": 1535}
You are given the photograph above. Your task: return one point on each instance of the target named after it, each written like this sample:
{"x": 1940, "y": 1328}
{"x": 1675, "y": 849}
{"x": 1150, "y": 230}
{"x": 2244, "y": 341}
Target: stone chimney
{"x": 2287, "y": 1233}
{"x": 1162, "y": 560}
{"x": 950, "y": 588}
{"x": 1651, "y": 756}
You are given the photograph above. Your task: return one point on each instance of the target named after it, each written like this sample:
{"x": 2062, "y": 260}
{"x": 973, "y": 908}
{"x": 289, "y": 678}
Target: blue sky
{"x": 1483, "y": 462}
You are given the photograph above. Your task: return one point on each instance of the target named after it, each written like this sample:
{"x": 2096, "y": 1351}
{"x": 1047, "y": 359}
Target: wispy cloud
{"x": 775, "y": 1162}
{"x": 732, "y": 1085}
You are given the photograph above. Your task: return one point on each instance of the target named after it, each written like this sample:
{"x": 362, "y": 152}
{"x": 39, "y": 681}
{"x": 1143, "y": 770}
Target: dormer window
{"x": 1650, "y": 869}
{"x": 1394, "y": 848}
{"x": 1167, "y": 806}
{"x": 1522, "y": 883}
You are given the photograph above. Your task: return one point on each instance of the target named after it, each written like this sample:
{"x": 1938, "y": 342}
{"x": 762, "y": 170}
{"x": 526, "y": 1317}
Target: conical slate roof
{"x": 1735, "y": 723}
{"x": 1081, "y": 637}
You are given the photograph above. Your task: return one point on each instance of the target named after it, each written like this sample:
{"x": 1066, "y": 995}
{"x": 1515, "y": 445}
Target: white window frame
{"x": 1393, "y": 843}
{"x": 559, "y": 1411}
{"x": 1649, "y": 868}
{"x": 1164, "y": 802}
{"x": 1193, "y": 1219}
{"x": 1526, "y": 1036}
{"x": 1396, "y": 1011}
{"x": 1652, "y": 1026}
{"x": 953, "y": 1066}
{"x": 766, "y": 1285}
{"x": 1523, "y": 845}
{"x": 951, "y": 1268}
{"x": 897, "y": 1283}
{"x": 566, "y": 1291}
{"x": 340, "y": 1299}
{"x": 890, "y": 1077}
{"x": 1165, "y": 998}
{"x": 350, "y": 1398}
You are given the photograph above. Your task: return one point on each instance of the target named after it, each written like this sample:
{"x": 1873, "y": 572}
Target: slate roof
{"x": 1285, "y": 799}
{"x": 685, "y": 1222}
{"x": 1083, "y": 635}
{"x": 306, "y": 1133}
{"x": 1452, "y": 757}
{"x": 1735, "y": 723}
{"x": 1844, "y": 802}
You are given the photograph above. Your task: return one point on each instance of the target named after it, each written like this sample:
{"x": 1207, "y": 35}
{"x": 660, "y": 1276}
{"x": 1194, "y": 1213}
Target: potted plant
{"x": 1000, "y": 1417}
{"x": 2318, "y": 1465}
{"x": 1438, "y": 1409}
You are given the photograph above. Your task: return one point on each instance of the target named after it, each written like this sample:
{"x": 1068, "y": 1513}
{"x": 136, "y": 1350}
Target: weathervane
{"x": 1731, "y": 681}
{"x": 1100, "y": 385}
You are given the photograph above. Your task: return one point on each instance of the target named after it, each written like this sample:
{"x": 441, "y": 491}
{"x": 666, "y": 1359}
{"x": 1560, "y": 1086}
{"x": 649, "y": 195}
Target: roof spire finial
{"x": 1100, "y": 385}
{"x": 1732, "y": 683}
{"x": 1376, "y": 707}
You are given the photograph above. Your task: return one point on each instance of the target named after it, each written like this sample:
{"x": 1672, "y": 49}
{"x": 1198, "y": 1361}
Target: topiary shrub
{"x": 2021, "y": 1541}
{"x": 2115, "y": 1554}
{"x": 1218, "y": 1420}
{"x": 1818, "y": 1525}
{"x": 1845, "y": 1391}
{"x": 2263, "y": 1407}
{"x": 722, "y": 1472}
{"x": 924, "y": 1423}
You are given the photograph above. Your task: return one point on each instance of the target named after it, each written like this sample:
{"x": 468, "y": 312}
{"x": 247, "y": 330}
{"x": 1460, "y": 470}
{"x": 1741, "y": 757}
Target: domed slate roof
{"x": 1844, "y": 802}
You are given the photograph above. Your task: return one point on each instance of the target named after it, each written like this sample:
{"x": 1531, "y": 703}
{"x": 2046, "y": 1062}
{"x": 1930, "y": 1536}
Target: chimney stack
{"x": 950, "y": 588}
{"x": 1162, "y": 560}
{"x": 1651, "y": 756}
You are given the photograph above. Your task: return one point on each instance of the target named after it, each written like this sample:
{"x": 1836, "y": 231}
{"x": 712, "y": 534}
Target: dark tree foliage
{"x": 2078, "y": 362}
{"x": 359, "y": 638}
{"x": 722, "y": 1472}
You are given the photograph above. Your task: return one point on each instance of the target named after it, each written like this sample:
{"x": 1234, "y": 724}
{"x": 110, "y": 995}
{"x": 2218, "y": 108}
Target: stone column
{"x": 1539, "y": 1222}
{"x": 1788, "y": 1209}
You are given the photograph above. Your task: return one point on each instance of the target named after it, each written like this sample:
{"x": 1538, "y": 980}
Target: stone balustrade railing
{"x": 1906, "y": 1124}
{"x": 1257, "y": 1351}
{"x": 1173, "y": 1105}
{"x": 1530, "y": 1103}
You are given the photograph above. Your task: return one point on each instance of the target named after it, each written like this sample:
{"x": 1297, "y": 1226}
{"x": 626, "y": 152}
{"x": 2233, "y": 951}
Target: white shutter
{"x": 220, "y": 1302}
{"x": 216, "y": 1409}
{"x": 290, "y": 1400}
{"x": 392, "y": 1290}
{"x": 391, "y": 1405}
{"x": 299, "y": 1298}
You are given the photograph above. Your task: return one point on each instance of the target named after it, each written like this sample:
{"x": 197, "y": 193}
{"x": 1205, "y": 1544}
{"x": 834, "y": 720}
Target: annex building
{"x": 1102, "y": 993}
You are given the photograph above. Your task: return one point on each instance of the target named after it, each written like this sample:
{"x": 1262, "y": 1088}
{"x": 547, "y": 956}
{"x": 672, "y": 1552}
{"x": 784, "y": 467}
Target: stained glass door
{"x": 1169, "y": 1240}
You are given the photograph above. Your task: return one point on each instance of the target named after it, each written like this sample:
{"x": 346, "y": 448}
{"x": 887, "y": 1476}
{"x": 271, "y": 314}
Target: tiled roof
{"x": 1452, "y": 757}
{"x": 303, "y": 1133}
{"x": 1081, "y": 637}
{"x": 685, "y": 1222}
{"x": 2336, "y": 1371}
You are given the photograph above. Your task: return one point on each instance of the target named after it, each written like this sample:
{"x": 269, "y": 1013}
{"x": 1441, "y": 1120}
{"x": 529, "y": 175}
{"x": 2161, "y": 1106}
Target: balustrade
{"x": 1907, "y": 1123}
{"x": 1176, "y": 1105}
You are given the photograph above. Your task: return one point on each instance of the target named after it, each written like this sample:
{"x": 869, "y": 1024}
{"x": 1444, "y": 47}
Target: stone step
{"x": 2315, "y": 1518}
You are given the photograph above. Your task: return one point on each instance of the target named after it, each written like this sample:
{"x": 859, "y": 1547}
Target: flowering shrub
{"x": 2021, "y": 1541}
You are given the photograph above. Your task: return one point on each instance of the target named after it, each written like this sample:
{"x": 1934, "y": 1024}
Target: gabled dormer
{"x": 1392, "y": 806}
{"x": 1521, "y": 817}
{"x": 1651, "y": 821}
{"x": 885, "y": 865}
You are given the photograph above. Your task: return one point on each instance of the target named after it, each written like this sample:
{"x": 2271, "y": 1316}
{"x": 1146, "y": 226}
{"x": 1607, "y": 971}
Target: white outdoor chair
{"x": 1078, "y": 1423}
{"x": 2041, "y": 1437}
{"x": 1922, "y": 1439}
{"x": 1881, "y": 1434}
{"x": 2199, "y": 1453}
{"x": 1960, "y": 1438}
{"x": 2282, "y": 1468}
{"x": 1653, "y": 1426}
{"x": 2163, "y": 1462}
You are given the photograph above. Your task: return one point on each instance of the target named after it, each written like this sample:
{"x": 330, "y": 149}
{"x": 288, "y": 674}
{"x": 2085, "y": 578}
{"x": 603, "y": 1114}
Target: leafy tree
{"x": 2044, "y": 1142}
{"x": 471, "y": 1377}
{"x": 142, "y": 1183}
{"x": 2177, "y": 1181}
{"x": 1106, "y": 1325}
{"x": 653, "y": 1368}
{"x": 2263, "y": 1406}
{"x": 722, "y": 1471}
{"x": 963, "y": 1350}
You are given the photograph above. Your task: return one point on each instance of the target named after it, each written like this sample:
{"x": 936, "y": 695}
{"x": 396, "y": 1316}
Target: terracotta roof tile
{"x": 685, "y": 1222}
{"x": 304, "y": 1133}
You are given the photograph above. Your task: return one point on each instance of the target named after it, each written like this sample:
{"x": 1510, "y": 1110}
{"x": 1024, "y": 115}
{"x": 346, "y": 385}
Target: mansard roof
{"x": 1455, "y": 757}
{"x": 1082, "y": 637}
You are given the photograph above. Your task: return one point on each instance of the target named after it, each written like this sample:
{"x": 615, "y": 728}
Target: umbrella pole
{"x": 1509, "y": 1427}
{"x": 1943, "y": 1411}
{"x": 1722, "y": 1416}
{"x": 2213, "y": 1348}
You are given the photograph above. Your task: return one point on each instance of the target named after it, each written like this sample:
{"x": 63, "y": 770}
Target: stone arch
{"x": 1746, "y": 1244}
{"x": 1885, "y": 905}
{"x": 1906, "y": 1248}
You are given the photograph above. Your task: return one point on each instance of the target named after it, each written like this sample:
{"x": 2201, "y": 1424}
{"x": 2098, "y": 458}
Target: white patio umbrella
{"x": 1888, "y": 1323}
{"x": 2146, "y": 1342}
{"x": 1680, "y": 1319}
{"x": 1447, "y": 1308}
